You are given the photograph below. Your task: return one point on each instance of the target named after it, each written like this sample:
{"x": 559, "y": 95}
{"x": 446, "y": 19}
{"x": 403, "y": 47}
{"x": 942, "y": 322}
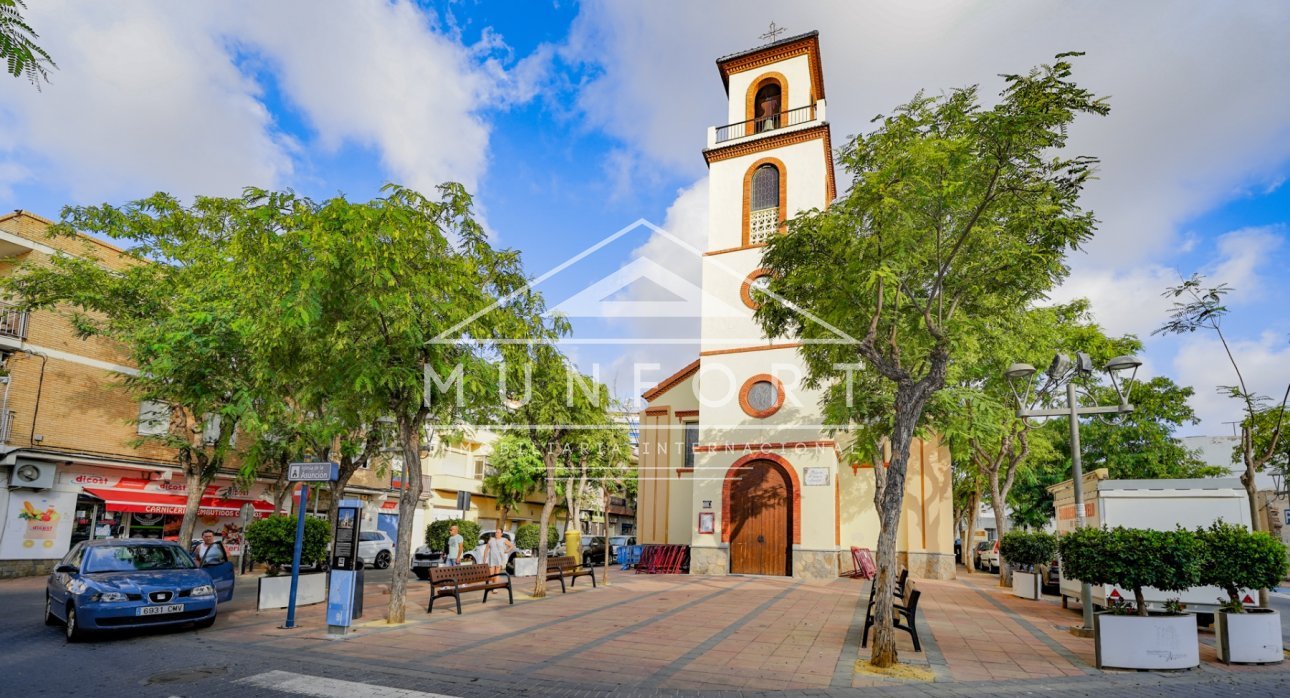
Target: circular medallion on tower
{"x": 761, "y": 396}
{"x": 750, "y": 291}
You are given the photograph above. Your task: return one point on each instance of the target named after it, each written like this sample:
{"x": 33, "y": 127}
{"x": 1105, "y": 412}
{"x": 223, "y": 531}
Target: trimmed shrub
{"x": 1025, "y": 549}
{"x": 1236, "y": 558}
{"x": 528, "y": 536}
{"x": 273, "y": 541}
{"x": 1133, "y": 558}
{"x": 437, "y": 534}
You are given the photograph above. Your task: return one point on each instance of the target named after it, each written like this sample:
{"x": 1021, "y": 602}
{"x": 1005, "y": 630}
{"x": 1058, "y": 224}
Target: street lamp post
{"x": 1062, "y": 368}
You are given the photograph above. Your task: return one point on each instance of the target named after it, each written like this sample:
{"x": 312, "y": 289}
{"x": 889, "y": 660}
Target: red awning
{"x": 174, "y": 504}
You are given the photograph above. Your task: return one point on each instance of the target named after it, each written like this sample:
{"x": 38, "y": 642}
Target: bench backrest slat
{"x": 561, "y": 562}
{"x": 462, "y": 574}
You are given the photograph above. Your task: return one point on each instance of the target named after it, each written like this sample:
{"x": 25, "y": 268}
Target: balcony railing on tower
{"x": 763, "y": 124}
{"x": 13, "y": 321}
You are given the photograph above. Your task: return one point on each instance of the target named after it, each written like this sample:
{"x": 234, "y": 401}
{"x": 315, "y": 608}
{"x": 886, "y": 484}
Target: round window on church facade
{"x": 750, "y": 291}
{"x": 761, "y": 396}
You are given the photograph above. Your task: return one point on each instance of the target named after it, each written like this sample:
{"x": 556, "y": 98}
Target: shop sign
{"x": 38, "y": 525}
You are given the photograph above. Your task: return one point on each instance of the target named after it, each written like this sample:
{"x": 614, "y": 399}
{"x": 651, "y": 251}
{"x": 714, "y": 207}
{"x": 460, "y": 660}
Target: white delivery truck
{"x": 1160, "y": 505}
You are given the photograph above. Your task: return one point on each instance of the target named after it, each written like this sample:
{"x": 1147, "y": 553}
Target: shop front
{"x": 93, "y": 502}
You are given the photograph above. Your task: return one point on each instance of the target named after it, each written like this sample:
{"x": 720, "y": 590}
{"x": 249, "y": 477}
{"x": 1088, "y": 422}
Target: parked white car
{"x": 375, "y": 549}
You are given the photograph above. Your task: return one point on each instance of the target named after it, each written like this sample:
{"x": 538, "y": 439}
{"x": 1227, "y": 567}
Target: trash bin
{"x": 573, "y": 544}
{"x": 358, "y": 590}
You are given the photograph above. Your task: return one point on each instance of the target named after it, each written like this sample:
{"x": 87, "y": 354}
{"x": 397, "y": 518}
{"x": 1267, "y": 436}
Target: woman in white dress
{"x": 497, "y": 551}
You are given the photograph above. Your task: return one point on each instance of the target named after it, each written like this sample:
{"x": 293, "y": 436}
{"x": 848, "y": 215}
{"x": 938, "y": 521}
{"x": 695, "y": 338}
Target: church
{"x": 735, "y": 460}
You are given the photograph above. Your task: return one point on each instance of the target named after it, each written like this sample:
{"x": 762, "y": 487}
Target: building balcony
{"x": 791, "y": 120}
{"x": 13, "y": 322}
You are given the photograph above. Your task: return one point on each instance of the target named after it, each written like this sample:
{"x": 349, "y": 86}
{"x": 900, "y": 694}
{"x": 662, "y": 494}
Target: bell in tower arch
{"x": 767, "y": 101}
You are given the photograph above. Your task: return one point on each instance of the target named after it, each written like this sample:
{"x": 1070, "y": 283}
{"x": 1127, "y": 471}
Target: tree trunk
{"x": 410, "y": 441}
{"x": 1000, "y": 527}
{"x": 195, "y": 488}
{"x": 1252, "y": 494}
{"x": 889, "y": 501}
{"x": 502, "y": 512}
{"x": 1141, "y": 600}
{"x": 539, "y": 582}
{"x": 969, "y": 543}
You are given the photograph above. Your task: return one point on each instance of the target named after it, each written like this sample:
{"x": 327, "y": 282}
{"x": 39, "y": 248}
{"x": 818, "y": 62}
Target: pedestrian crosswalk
{"x": 322, "y": 687}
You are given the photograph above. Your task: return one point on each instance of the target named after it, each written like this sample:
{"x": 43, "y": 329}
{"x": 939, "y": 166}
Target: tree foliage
{"x": 1028, "y": 548}
{"x": 529, "y": 536}
{"x": 1133, "y": 558}
{"x": 437, "y": 533}
{"x": 1236, "y": 558}
{"x": 18, "y": 49}
{"x": 273, "y": 541}
{"x": 958, "y": 214}
{"x": 515, "y": 471}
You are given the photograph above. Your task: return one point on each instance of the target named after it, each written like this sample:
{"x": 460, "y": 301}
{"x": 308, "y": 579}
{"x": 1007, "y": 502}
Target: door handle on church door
{"x": 761, "y": 539}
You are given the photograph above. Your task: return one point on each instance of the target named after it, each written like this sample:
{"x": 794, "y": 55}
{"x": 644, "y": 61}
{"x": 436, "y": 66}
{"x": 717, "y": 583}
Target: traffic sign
{"x": 312, "y": 472}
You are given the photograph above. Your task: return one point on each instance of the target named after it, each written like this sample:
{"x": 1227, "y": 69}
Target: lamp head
{"x": 1123, "y": 384}
{"x": 1059, "y": 367}
{"x": 1019, "y": 372}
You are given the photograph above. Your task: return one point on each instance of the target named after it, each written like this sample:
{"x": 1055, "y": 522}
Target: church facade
{"x": 735, "y": 459}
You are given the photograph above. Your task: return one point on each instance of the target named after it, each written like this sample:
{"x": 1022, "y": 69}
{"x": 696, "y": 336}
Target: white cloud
{"x": 145, "y": 97}
{"x": 1196, "y": 89}
{"x": 1202, "y": 363}
{"x": 154, "y": 96}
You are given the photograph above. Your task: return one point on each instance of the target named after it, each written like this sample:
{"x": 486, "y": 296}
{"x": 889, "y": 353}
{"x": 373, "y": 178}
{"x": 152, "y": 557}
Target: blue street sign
{"x": 312, "y": 472}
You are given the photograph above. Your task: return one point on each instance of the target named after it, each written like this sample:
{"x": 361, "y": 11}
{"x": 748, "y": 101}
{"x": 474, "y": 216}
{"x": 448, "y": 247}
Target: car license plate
{"x": 160, "y": 610}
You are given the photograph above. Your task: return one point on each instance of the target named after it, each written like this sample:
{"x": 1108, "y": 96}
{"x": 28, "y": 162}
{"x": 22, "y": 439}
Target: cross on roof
{"x": 773, "y": 33}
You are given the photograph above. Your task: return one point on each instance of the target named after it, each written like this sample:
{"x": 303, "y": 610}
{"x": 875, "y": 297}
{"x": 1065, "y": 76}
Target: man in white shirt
{"x": 208, "y": 547}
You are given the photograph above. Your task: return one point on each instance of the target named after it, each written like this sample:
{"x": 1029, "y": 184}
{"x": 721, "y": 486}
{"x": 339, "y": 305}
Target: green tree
{"x": 958, "y": 214}
{"x": 390, "y": 307}
{"x": 529, "y": 536}
{"x": 437, "y": 534}
{"x": 515, "y": 471}
{"x": 977, "y": 412}
{"x": 1141, "y": 445}
{"x": 18, "y": 45}
{"x": 1200, "y": 308}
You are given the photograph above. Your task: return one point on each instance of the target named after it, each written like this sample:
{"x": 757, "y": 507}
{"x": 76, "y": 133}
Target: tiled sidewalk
{"x": 705, "y": 634}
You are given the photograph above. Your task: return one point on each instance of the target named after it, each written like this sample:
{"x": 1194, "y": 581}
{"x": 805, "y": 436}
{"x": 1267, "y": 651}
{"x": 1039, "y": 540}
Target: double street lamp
{"x": 1122, "y": 370}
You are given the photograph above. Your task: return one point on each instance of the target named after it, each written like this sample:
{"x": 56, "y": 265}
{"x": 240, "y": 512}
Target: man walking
{"x": 455, "y": 546}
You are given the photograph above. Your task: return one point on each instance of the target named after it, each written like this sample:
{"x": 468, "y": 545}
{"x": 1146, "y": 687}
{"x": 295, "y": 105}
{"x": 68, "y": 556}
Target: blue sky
{"x": 573, "y": 120}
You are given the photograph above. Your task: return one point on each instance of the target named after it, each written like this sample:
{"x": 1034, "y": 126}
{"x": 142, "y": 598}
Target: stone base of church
{"x": 709, "y": 561}
{"x": 815, "y": 564}
{"x": 928, "y": 565}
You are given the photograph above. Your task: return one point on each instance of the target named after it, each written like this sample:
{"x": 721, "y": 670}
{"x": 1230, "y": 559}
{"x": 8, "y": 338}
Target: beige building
{"x": 735, "y": 459}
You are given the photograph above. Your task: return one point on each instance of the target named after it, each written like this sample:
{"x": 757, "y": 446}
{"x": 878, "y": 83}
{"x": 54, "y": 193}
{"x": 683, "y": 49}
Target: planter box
{"x": 1253, "y": 637}
{"x": 526, "y": 566}
{"x": 1150, "y": 642}
{"x": 275, "y": 592}
{"x": 1025, "y": 585}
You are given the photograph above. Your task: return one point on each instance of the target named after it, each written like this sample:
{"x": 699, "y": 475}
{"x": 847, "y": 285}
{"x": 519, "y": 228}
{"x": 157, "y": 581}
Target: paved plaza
{"x": 646, "y": 635}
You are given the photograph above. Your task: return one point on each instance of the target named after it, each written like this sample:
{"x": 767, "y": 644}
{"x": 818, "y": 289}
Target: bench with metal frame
{"x": 452, "y": 580}
{"x": 903, "y": 615}
{"x": 564, "y": 567}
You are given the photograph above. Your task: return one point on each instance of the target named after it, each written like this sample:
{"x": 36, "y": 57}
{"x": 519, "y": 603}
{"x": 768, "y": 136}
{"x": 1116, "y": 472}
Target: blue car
{"x": 134, "y": 583}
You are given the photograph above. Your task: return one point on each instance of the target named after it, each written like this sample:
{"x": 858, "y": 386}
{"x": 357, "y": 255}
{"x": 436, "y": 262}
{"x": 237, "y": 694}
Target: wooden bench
{"x": 452, "y": 580}
{"x": 564, "y": 567}
{"x": 903, "y": 615}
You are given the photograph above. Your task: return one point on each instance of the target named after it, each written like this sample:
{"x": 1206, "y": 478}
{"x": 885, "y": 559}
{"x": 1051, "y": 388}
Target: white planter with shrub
{"x": 1146, "y": 642}
{"x": 526, "y": 566}
{"x": 1238, "y": 559}
{"x": 275, "y": 592}
{"x": 1252, "y": 637}
{"x": 1026, "y": 550}
{"x": 1026, "y": 585}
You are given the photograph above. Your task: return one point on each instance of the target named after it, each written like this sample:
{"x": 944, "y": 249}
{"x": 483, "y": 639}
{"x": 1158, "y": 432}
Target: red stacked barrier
{"x": 663, "y": 559}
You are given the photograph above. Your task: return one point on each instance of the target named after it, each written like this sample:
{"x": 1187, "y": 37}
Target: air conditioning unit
{"x": 33, "y": 474}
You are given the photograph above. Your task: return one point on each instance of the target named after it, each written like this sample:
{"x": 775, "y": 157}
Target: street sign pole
{"x": 295, "y": 557}
{"x": 304, "y": 473}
